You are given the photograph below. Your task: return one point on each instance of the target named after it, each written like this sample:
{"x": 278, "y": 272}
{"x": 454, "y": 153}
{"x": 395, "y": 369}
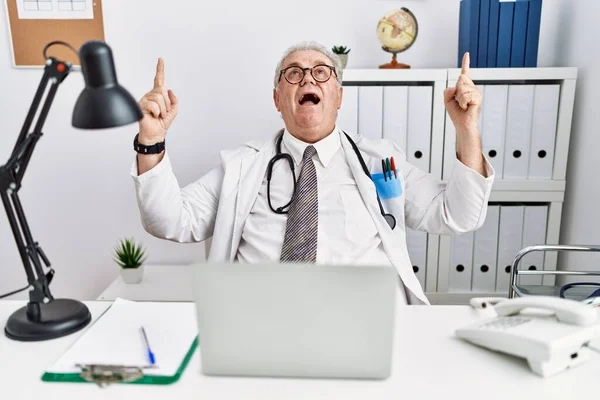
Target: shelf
{"x": 509, "y": 196}
{"x": 382, "y": 76}
{"x": 542, "y": 185}
{"x": 459, "y": 298}
{"x": 534, "y": 185}
{"x": 512, "y": 74}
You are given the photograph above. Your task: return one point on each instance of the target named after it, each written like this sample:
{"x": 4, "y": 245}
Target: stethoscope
{"x": 389, "y": 218}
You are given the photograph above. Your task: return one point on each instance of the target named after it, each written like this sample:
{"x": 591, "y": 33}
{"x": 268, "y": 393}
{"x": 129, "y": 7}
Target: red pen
{"x": 394, "y": 168}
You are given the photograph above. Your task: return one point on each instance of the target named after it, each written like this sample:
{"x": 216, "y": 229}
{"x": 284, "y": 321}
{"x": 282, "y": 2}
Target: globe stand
{"x": 394, "y": 64}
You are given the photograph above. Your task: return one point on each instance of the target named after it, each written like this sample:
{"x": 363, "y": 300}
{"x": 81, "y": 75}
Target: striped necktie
{"x": 301, "y": 232}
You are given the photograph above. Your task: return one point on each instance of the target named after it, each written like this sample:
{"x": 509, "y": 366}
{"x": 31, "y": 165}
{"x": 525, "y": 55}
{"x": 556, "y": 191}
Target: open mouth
{"x": 309, "y": 98}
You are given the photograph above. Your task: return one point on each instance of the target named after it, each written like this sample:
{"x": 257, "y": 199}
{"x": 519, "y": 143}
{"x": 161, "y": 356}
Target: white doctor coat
{"x": 218, "y": 204}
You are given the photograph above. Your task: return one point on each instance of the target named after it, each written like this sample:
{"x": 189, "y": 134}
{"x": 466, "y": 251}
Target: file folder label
{"x": 417, "y": 251}
{"x": 518, "y": 131}
{"x": 461, "y": 263}
{"x": 419, "y": 126}
{"x": 348, "y": 112}
{"x": 494, "y": 125}
{"x": 395, "y": 114}
{"x": 543, "y": 131}
{"x": 485, "y": 252}
{"x": 534, "y": 233}
{"x": 510, "y": 238}
{"x": 370, "y": 111}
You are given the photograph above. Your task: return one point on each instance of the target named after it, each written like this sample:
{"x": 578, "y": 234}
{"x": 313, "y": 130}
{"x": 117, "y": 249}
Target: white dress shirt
{"x": 347, "y": 233}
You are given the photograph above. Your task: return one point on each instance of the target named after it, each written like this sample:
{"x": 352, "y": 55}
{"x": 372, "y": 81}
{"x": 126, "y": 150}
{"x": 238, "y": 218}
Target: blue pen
{"x": 150, "y": 353}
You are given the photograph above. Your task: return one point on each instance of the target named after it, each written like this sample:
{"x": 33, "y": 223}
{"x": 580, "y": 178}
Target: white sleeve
{"x": 455, "y": 207}
{"x": 173, "y": 213}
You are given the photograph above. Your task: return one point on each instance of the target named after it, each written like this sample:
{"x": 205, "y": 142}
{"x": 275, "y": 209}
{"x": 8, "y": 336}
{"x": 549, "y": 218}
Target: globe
{"x": 397, "y": 31}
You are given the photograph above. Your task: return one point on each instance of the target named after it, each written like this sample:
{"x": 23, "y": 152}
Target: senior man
{"x": 313, "y": 193}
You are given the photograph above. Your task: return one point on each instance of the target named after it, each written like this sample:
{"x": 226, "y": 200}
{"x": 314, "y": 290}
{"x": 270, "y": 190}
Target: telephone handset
{"x": 549, "y": 332}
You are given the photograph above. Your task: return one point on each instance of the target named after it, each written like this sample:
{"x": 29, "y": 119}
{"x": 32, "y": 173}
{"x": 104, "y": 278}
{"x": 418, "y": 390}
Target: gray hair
{"x": 337, "y": 63}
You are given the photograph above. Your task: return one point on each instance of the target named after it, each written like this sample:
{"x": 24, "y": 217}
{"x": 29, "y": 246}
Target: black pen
{"x": 383, "y": 168}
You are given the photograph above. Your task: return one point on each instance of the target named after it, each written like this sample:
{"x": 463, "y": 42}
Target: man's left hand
{"x": 463, "y": 102}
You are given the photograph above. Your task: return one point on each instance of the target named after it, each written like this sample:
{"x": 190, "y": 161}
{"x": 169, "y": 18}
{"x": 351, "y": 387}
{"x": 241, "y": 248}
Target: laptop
{"x": 295, "y": 320}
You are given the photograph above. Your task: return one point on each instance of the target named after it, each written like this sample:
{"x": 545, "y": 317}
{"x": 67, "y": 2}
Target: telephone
{"x": 549, "y": 332}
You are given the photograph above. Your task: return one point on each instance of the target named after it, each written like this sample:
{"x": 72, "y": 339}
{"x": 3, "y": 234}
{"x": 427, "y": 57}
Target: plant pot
{"x": 132, "y": 275}
{"x": 343, "y": 59}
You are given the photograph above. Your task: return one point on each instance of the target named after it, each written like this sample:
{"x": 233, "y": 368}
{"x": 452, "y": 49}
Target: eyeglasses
{"x": 320, "y": 73}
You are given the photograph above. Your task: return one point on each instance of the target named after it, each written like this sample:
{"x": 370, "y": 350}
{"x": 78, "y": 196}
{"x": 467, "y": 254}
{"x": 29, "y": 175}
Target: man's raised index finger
{"x": 159, "y": 78}
{"x": 466, "y": 69}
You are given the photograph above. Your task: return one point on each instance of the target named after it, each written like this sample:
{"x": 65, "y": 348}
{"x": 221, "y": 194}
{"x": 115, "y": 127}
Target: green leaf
{"x": 129, "y": 254}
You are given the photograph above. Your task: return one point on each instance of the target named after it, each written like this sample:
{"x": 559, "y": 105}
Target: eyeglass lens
{"x": 321, "y": 73}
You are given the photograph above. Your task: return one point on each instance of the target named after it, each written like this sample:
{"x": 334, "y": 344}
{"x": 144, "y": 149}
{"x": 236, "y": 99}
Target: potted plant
{"x": 342, "y": 53}
{"x": 130, "y": 256}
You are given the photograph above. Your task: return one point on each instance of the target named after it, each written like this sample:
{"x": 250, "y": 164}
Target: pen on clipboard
{"x": 150, "y": 353}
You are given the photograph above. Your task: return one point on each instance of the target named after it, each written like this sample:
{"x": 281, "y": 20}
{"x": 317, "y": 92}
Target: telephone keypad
{"x": 505, "y": 322}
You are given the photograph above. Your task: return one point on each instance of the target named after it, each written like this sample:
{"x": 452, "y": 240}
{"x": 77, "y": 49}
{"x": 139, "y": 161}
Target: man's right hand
{"x": 159, "y": 107}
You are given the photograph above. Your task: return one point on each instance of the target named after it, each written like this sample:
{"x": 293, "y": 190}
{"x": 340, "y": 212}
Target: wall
{"x": 220, "y": 59}
{"x": 581, "y": 218}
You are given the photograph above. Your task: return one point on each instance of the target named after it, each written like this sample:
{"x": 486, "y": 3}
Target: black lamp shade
{"x": 103, "y": 103}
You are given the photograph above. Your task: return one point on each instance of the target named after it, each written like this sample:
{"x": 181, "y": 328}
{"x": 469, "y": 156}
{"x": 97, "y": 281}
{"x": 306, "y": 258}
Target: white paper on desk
{"x": 116, "y": 338}
{"x": 55, "y": 9}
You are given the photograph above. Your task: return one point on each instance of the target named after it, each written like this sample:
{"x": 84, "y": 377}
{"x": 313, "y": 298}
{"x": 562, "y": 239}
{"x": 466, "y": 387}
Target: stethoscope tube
{"x": 389, "y": 218}
{"x": 279, "y": 156}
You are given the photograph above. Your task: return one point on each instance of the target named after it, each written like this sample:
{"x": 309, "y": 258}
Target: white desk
{"x": 160, "y": 283}
{"x": 429, "y": 363}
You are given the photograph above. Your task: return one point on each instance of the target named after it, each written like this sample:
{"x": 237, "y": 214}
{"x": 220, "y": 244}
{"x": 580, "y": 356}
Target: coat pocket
{"x": 358, "y": 224}
{"x": 387, "y": 188}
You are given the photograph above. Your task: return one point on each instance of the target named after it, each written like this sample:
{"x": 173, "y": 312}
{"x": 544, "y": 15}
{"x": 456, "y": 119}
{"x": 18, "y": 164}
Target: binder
{"x": 395, "y": 114}
{"x": 505, "y": 27}
{"x": 461, "y": 263}
{"x": 533, "y": 32}
{"x": 534, "y": 232}
{"x": 484, "y": 26}
{"x": 474, "y": 33}
{"x": 348, "y": 113}
{"x": 517, "y": 56}
{"x": 510, "y": 238}
{"x": 370, "y": 111}
{"x": 493, "y": 33}
{"x": 482, "y": 112}
{"x": 463, "y": 29}
{"x": 494, "y": 125}
{"x": 468, "y": 31}
{"x": 417, "y": 250}
{"x": 518, "y": 131}
{"x": 112, "y": 350}
{"x": 543, "y": 131}
{"x": 485, "y": 252}
{"x": 418, "y": 152}
{"x": 449, "y": 145}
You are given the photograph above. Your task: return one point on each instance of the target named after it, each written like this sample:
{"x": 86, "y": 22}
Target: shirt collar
{"x": 326, "y": 147}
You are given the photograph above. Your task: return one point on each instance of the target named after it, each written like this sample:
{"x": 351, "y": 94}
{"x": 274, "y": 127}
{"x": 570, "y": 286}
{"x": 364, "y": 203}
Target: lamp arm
{"x": 32, "y": 110}
{"x": 11, "y": 176}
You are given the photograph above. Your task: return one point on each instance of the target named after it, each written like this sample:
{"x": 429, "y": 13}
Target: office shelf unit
{"x": 369, "y": 106}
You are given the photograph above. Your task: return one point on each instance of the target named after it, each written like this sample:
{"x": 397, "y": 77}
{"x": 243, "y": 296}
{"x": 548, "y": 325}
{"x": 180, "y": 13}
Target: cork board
{"x": 30, "y": 36}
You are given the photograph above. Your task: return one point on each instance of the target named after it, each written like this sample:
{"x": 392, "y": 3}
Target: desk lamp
{"x": 102, "y": 104}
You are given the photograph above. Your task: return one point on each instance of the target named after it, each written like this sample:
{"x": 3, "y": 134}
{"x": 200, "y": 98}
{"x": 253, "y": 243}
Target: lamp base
{"x": 36, "y": 322}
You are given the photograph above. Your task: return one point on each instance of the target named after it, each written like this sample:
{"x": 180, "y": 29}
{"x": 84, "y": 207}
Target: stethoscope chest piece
{"x": 390, "y": 219}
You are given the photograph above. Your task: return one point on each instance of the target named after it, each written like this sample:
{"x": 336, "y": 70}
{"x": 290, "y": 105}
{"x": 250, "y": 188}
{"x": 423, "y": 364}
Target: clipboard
{"x": 112, "y": 349}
